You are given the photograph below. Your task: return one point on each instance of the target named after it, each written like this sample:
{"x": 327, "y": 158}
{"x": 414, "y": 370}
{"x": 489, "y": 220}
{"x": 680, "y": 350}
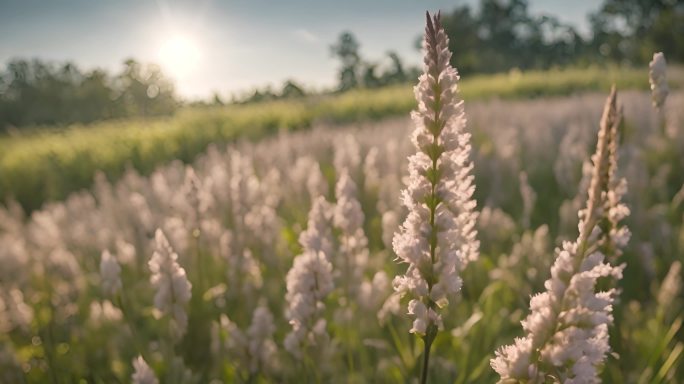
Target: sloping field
{"x": 48, "y": 163}
{"x": 79, "y": 271}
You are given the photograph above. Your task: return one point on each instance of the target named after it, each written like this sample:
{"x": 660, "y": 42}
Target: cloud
{"x": 306, "y": 36}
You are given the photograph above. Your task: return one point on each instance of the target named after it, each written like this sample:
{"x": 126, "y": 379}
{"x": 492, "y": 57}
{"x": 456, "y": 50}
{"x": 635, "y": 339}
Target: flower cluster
{"x": 437, "y": 239}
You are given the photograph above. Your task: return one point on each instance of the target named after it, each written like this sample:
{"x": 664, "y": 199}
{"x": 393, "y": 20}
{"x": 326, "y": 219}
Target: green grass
{"x": 49, "y": 163}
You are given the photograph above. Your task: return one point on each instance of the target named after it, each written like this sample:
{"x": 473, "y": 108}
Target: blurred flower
{"x": 262, "y": 348}
{"x": 371, "y": 171}
{"x": 671, "y": 286}
{"x": 529, "y": 198}
{"x": 14, "y": 312}
{"x": 347, "y": 155}
{"x": 317, "y": 236}
{"x": 348, "y": 213}
{"x": 390, "y": 224}
{"x": 244, "y": 273}
{"x": 391, "y": 306}
{"x": 309, "y": 281}
{"x": 105, "y": 311}
{"x": 306, "y": 176}
{"x": 372, "y": 293}
{"x": 125, "y": 252}
{"x": 143, "y": 374}
{"x": 171, "y": 283}
{"x": 658, "y": 79}
{"x": 348, "y": 217}
{"x": 254, "y": 350}
{"x": 110, "y": 272}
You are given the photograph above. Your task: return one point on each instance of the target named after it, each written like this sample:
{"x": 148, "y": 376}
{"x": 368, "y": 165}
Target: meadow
{"x": 234, "y": 216}
{"x": 47, "y": 163}
{"x": 285, "y": 259}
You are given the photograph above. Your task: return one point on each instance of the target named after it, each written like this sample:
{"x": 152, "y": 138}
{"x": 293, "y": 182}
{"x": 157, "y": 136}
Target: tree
{"x": 145, "y": 91}
{"x": 347, "y": 50}
{"x": 292, "y": 90}
{"x": 216, "y": 99}
{"x": 396, "y": 73}
{"x": 369, "y": 77}
{"x": 631, "y": 30}
{"x": 95, "y": 97}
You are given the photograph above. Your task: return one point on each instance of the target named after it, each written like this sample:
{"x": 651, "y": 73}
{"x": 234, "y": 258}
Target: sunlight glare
{"x": 179, "y": 55}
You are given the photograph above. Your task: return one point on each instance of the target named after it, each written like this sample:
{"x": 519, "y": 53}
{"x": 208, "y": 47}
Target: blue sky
{"x": 234, "y": 44}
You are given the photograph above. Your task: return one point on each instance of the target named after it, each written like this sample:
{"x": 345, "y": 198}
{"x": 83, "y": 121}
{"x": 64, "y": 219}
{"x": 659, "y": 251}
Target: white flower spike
{"x": 437, "y": 239}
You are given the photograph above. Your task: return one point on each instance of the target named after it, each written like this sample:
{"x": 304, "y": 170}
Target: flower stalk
{"x": 437, "y": 240}
{"x": 567, "y": 328}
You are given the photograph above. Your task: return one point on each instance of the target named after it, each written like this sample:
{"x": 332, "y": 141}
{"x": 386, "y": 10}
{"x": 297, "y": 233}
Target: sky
{"x": 228, "y": 46}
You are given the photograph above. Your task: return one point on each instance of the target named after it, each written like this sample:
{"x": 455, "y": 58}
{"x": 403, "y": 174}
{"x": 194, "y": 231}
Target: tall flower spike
{"x": 567, "y": 328}
{"x": 171, "y": 283}
{"x": 437, "y": 239}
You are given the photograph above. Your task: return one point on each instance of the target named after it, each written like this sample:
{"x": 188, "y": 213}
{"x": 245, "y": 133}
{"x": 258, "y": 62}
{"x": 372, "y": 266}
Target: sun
{"x": 179, "y": 55}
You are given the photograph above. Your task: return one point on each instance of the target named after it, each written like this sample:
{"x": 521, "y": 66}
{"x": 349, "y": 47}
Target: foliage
{"x": 347, "y": 50}
{"x": 631, "y": 30}
{"x": 289, "y": 90}
{"x": 504, "y": 35}
{"x": 38, "y": 93}
{"x": 355, "y": 71}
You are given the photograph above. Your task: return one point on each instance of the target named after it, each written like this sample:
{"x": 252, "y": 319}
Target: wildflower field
{"x": 45, "y": 164}
{"x": 393, "y": 250}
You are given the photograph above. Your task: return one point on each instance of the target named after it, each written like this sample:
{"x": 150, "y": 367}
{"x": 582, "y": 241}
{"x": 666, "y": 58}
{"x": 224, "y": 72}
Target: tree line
{"x": 498, "y": 36}
{"x": 35, "y": 92}
{"x": 503, "y": 34}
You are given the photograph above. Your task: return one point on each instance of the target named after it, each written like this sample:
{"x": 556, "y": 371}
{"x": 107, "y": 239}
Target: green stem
{"x": 200, "y": 266}
{"x": 427, "y": 340}
{"x": 120, "y": 300}
{"x": 348, "y": 301}
{"x": 45, "y": 332}
{"x": 169, "y": 355}
{"x": 49, "y": 347}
